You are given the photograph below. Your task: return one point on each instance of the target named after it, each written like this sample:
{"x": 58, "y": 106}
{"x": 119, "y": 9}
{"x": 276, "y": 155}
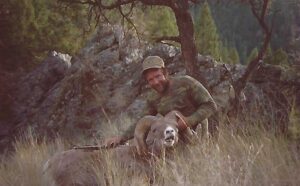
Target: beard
{"x": 161, "y": 87}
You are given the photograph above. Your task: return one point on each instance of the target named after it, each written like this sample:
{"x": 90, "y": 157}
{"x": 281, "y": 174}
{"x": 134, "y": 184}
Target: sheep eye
{"x": 154, "y": 130}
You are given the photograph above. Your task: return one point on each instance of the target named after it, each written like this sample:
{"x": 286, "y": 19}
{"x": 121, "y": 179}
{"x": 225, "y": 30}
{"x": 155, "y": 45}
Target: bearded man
{"x": 182, "y": 93}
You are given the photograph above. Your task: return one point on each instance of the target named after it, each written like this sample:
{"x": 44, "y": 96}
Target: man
{"x": 182, "y": 93}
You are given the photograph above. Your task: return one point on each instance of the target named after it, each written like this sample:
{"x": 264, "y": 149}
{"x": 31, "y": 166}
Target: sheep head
{"x": 156, "y": 133}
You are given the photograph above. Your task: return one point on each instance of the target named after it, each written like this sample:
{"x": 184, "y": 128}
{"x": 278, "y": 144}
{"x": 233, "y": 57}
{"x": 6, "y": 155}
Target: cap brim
{"x": 153, "y": 67}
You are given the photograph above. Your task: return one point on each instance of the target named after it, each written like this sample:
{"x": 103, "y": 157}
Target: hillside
{"x": 75, "y": 95}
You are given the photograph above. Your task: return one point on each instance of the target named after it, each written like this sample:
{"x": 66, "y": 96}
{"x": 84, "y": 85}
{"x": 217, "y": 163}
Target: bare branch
{"x": 130, "y": 10}
{"x": 126, "y": 16}
{"x": 117, "y": 4}
{"x": 88, "y": 2}
{"x": 169, "y": 38}
{"x": 101, "y": 13}
{"x": 158, "y": 2}
{"x": 260, "y": 18}
{"x": 100, "y": 4}
{"x": 260, "y": 15}
{"x": 195, "y": 1}
{"x": 264, "y": 9}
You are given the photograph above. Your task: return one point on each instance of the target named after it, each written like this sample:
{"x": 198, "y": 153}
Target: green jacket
{"x": 184, "y": 94}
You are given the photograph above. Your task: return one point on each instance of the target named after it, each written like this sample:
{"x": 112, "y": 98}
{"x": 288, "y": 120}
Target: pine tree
{"x": 279, "y": 57}
{"x": 224, "y": 53}
{"x": 253, "y": 54}
{"x": 207, "y": 38}
{"x": 162, "y": 22}
{"x": 155, "y": 22}
{"x": 269, "y": 55}
{"x": 234, "y": 57}
{"x": 37, "y": 26}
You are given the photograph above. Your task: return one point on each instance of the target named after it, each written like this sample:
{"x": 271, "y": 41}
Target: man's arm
{"x": 202, "y": 99}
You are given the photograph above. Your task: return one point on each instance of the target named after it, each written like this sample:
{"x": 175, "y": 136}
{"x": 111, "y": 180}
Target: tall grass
{"x": 24, "y": 166}
{"x": 253, "y": 158}
{"x": 256, "y": 159}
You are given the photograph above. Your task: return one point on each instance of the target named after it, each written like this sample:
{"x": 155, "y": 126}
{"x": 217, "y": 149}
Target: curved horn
{"x": 175, "y": 115}
{"x": 140, "y": 132}
{"x": 187, "y": 135}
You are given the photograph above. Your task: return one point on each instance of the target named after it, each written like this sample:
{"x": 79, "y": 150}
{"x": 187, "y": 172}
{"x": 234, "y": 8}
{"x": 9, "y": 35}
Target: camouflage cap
{"x": 153, "y": 62}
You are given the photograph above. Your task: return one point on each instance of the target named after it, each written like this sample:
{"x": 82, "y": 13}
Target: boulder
{"x": 74, "y": 97}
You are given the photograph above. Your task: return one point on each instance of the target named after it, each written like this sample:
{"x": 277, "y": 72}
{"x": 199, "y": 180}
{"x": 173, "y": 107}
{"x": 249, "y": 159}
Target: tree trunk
{"x": 186, "y": 34}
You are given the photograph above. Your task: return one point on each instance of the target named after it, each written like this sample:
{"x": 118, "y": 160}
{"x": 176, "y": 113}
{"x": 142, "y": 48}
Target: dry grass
{"x": 255, "y": 158}
{"x": 24, "y": 165}
{"x": 294, "y": 125}
{"x": 258, "y": 159}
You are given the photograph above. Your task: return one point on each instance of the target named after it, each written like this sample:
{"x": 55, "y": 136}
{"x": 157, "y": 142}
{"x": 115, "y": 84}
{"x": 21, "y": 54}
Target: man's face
{"x": 157, "y": 80}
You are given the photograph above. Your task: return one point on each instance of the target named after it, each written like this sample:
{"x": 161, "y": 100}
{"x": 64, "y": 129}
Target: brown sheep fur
{"x": 154, "y": 137}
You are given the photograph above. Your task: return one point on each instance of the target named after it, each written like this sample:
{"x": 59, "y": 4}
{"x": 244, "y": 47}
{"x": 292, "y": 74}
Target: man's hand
{"x": 113, "y": 141}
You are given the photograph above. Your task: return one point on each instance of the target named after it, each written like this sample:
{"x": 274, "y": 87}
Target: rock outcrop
{"x": 75, "y": 96}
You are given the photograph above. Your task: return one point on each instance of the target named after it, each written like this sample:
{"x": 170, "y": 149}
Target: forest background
{"x": 226, "y": 30}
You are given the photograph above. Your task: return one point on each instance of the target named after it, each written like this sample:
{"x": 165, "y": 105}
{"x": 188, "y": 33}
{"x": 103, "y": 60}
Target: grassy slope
{"x": 258, "y": 158}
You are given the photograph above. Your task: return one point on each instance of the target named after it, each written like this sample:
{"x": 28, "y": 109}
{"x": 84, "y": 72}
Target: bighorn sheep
{"x": 154, "y": 136}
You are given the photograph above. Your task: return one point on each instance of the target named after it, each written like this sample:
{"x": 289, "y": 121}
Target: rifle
{"x": 90, "y": 147}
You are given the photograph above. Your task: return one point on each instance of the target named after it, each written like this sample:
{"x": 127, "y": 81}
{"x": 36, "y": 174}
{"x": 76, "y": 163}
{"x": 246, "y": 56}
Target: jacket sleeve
{"x": 202, "y": 99}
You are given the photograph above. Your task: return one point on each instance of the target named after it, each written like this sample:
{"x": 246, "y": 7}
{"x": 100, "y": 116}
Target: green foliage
{"x": 268, "y": 55}
{"x": 279, "y": 57}
{"x": 234, "y": 57}
{"x": 224, "y": 54}
{"x": 162, "y": 22}
{"x": 155, "y": 22}
{"x": 239, "y": 27}
{"x": 229, "y": 55}
{"x": 253, "y": 55}
{"x": 207, "y": 38}
{"x": 35, "y": 27}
